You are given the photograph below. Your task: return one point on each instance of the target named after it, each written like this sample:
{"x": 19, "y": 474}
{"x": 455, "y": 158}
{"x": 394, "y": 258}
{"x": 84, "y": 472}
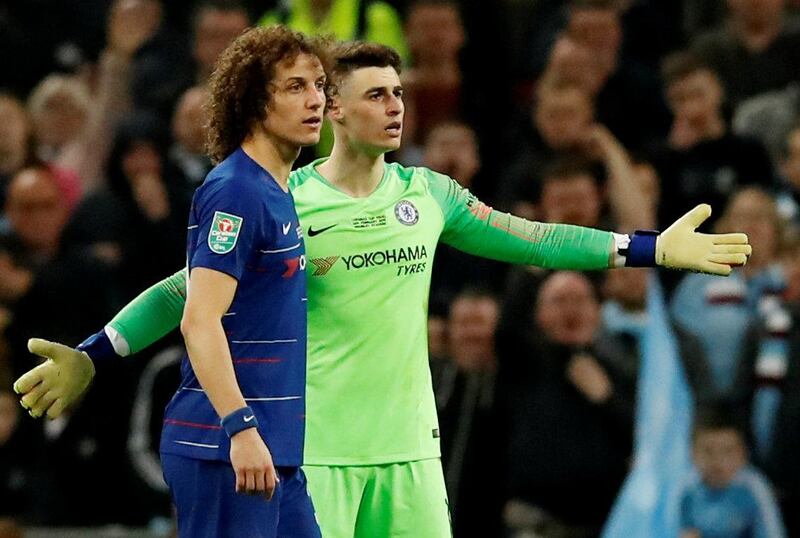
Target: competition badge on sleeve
{"x": 224, "y": 232}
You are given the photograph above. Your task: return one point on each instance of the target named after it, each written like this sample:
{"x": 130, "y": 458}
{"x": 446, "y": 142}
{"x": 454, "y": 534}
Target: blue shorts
{"x": 204, "y": 493}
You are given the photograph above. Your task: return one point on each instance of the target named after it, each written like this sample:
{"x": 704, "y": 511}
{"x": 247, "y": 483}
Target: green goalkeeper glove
{"x": 681, "y": 247}
{"x": 56, "y": 384}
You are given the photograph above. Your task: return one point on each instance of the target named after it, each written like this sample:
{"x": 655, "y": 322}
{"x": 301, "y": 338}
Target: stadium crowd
{"x": 548, "y": 109}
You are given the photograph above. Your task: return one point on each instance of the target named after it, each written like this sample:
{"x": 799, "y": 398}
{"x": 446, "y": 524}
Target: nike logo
{"x": 286, "y": 228}
{"x": 249, "y": 418}
{"x": 312, "y": 232}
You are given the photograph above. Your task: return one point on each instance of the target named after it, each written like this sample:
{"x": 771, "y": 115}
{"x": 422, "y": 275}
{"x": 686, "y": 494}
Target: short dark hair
{"x": 239, "y": 86}
{"x": 680, "y": 65}
{"x": 569, "y": 165}
{"x": 475, "y": 291}
{"x": 215, "y": 5}
{"x": 351, "y": 55}
{"x": 718, "y": 415}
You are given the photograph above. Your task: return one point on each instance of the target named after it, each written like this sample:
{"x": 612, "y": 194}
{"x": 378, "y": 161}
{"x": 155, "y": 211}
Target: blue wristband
{"x": 239, "y": 420}
{"x": 642, "y": 249}
{"x": 98, "y": 347}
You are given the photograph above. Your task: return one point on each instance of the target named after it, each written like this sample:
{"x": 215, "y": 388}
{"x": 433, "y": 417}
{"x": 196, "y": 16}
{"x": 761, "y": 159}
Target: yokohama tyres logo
{"x": 378, "y": 258}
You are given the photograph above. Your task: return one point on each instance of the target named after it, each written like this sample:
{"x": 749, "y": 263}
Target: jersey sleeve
{"x": 225, "y": 227}
{"x": 151, "y": 315}
{"x": 476, "y": 228}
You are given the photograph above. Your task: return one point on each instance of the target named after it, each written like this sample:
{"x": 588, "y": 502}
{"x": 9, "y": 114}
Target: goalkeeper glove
{"x": 681, "y": 247}
{"x": 57, "y": 383}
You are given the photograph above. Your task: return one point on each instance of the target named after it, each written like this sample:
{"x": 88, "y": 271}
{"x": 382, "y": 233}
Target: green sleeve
{"x": 154, "y": 313}
{"x": 385, "y": 26}
{"x": 476, "y": 228}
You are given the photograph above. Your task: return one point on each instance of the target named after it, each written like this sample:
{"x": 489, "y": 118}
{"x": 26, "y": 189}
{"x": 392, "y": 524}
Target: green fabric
{"x": 383, "y": 24}
{"x": 475, "y": 228}
{"x": 153, "y": 314}
{"x": 402, "y": 500}
{"x": 369, "y": 394}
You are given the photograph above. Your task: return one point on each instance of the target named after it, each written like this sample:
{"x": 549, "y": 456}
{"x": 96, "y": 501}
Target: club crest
{"x": 406, "y": 213}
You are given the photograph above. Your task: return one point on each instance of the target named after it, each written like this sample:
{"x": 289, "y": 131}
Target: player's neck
{"x": 274, "y": 156}
{"x": 353, "y": 171}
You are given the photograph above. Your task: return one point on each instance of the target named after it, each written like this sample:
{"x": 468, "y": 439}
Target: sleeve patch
{"x": 224, "y": 232}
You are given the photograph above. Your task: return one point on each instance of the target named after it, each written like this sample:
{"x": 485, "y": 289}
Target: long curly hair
{"x": 240, "y": 83}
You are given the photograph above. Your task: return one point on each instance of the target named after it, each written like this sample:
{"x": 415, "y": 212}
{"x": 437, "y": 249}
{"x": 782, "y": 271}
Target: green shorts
{"x": 380, "y": 501}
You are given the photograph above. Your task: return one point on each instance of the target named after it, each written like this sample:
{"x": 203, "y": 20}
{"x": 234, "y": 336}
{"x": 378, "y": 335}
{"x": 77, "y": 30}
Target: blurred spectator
{"x": 216, "y": 24}
{"x": 16, "y": 140}
{"x": 42, "y": 278}
{"x": 370, "y": 20}
{"x": 451, "y": 148}
{"x": 168, "y": 65}
{"x": 436, "y": 35}
{"x": 726, "y": 313}
{"x": 649, "y": 28}
{"x": 769, "y": 118}
{"x": 703, "y": 162}
{"x": 757, "y": 50}
{"x": 465, "y": 399}
{"x": 725, "y": 496}
{"x": 569, "y": 414}
{"x": 137, "y": 224}
{"x": 588, "y": 52}
{"x": 73, "y": 124}
{"x": 560, "y": 121}
{"x": 570, "y": 189}
{"x": 624, "y": 320}
{"x": 781, "y": 463}
{"x": 187, "y": 152}
{"x": 59, "y": 281}
{"x": 789, "y": 195}
{"x": 571, "y": 194}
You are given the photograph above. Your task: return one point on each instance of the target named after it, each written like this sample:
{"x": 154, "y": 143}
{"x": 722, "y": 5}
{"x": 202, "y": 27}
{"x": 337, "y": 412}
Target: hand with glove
{"x": 56, "y": 384}
{"x": 681, "y": 247}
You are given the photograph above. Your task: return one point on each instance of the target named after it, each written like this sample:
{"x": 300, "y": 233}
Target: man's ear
{"x": 334, "y": 108}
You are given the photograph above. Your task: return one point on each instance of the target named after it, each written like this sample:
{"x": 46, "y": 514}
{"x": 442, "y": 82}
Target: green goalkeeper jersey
{"x": 369, "y": 394}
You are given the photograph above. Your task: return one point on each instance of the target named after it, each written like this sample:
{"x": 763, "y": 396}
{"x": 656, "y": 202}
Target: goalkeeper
{"x": 371, "y": 229}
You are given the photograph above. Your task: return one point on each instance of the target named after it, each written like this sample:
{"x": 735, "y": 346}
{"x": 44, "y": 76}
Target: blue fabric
{"x": 239, "y": 420}
{"x": 266, "y": 323}
{"x": 204, "y": 494}
{"x": 744, "y": 509}
{"x": 642, "y": 249}
{"x": 717, "y": 311}
{"x": 771, "y": 367}
{"x": 649, "y": 503}
{"x": 98, "y": 347}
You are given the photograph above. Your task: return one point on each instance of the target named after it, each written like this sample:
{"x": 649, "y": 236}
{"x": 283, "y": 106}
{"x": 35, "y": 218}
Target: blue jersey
{"x": 744, "y": 509}
{"x": 243, "y": 224}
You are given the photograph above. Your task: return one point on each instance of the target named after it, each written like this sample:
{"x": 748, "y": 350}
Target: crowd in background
{"x": 615, "y": 114}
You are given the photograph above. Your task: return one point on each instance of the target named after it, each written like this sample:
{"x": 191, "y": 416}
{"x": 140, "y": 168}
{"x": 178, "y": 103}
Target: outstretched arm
{"x": 60, "y": 381}
{"x": 476, "y": 228}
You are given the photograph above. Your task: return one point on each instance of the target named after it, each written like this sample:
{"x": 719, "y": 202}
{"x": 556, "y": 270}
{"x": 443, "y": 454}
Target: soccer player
{"x": 372, "y": 445}
{"x": 245, "y": 317}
